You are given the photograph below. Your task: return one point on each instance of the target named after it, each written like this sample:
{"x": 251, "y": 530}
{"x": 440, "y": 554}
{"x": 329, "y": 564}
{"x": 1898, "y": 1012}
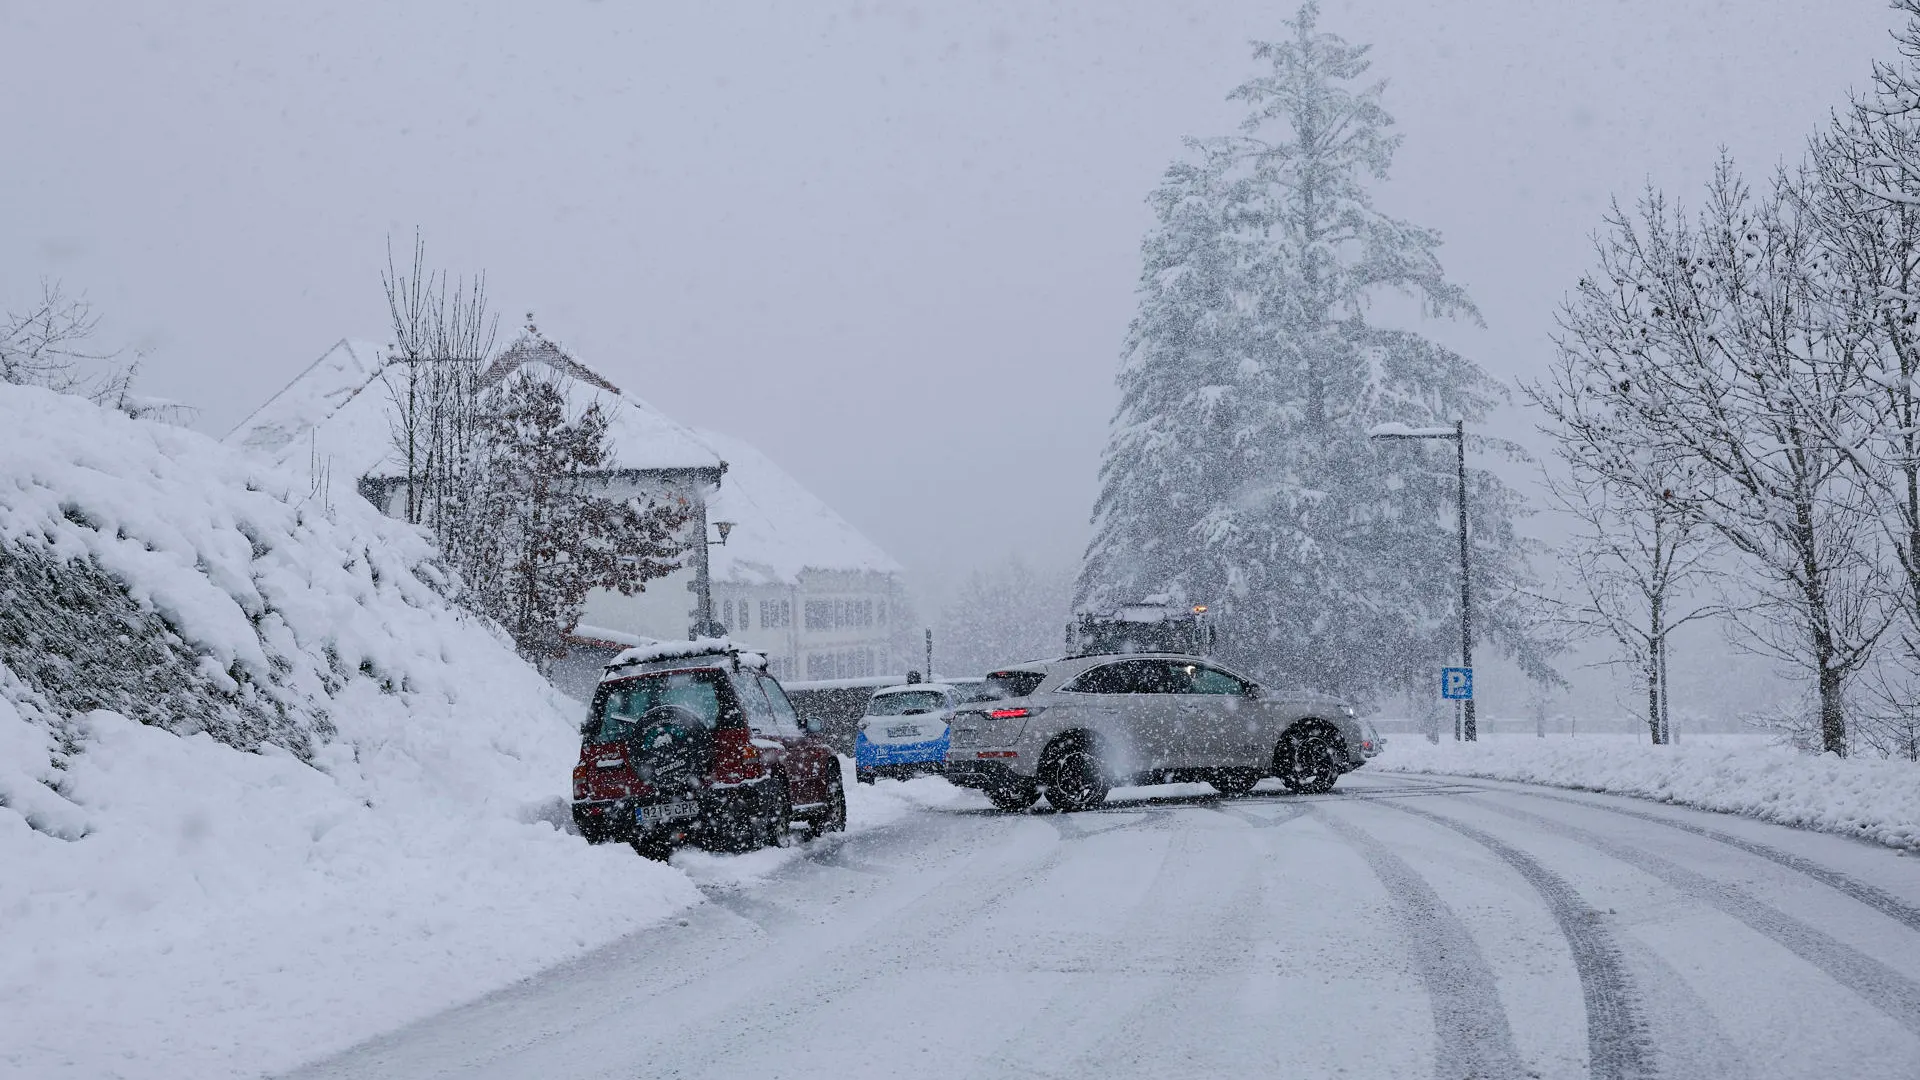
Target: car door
{"x": 810, "y": 761}
{"x": 1225, "y": 724}
{"x": 1136, "y": 698}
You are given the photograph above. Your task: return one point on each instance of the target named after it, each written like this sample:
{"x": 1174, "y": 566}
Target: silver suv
{"x": 1072, "y": 729}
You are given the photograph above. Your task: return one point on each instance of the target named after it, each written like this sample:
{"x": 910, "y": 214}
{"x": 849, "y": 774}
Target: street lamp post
{"x": 1458, "y": 433}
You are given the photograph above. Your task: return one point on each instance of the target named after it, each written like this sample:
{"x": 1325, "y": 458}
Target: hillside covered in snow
{"x": 263, "y": 788}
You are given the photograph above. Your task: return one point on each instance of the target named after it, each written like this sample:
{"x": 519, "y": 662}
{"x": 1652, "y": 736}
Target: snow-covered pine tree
{"x": 539, "y": 535}
{"x": 1238, "y": 471}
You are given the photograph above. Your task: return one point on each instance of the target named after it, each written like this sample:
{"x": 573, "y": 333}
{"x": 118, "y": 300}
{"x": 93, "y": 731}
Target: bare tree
{"x": 50, "y": 344}
{"x": 443, "y": 335}
{"x": 1637, "y": 554}
{"x": 1637, "y": 558}
{"x": 1865, "y": 201}
{"x": 1716, "y": 343}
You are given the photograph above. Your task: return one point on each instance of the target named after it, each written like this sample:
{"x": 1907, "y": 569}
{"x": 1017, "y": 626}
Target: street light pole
{"x": 1469, "y": 729}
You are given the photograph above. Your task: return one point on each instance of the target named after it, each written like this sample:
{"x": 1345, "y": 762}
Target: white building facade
{"x": 797, "y": 581}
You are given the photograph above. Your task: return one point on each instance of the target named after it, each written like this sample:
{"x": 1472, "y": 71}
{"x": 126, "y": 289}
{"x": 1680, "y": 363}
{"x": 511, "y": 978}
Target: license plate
{"x": 663, "y": 813}
{"x": 902, "y": 732}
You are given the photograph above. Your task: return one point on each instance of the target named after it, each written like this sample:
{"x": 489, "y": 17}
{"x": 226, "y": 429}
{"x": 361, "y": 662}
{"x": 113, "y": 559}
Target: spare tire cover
{"x": 672, "y": 752}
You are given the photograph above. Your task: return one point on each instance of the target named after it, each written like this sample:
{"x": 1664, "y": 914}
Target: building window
{"x": 819, "y": 615}
{"x": 840, "y": 664}
{"x": 776, "y": 614}
{"x": 726, "y": 614}
{"x": 839, "y": 614}
{"x": 746, "y": 615}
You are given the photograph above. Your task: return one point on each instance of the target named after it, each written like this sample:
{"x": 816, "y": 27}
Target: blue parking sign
{"x": 1456, "y": 683}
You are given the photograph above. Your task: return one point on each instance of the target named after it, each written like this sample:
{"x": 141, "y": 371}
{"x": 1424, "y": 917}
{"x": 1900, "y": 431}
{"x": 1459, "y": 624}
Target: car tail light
{"x": 735, "y": 759}
{"x": 1010, "y": 714}
{"x": 579, "y": 781}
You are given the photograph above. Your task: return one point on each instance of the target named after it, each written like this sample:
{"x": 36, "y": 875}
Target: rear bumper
{"x": 870, "y": 756}
{"x": 902, "y": 770}
{"x": 604, "y": 821}
{"x": 994, "y": 773}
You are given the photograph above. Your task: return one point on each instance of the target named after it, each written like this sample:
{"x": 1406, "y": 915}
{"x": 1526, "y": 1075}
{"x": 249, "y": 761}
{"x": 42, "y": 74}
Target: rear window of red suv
{"x": 619, "y": 707}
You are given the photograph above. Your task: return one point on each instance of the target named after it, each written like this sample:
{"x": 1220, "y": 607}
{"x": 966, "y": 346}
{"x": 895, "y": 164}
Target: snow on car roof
{"x": 719, "y": 648}
{"x": 903, "y": 688}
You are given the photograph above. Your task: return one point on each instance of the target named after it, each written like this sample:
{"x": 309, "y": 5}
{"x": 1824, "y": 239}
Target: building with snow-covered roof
{"x": 336, "y": 420}
{"x": 794, "y": 580}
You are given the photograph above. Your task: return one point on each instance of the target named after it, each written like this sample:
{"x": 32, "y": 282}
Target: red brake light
{"x": 1010, "y": 714}
{"x": 736, "y": 759}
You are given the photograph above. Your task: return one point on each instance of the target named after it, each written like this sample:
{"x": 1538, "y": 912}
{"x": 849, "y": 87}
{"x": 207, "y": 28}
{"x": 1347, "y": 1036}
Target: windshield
{"x": 906, "y": 703}
{"x": 618, "y": 712}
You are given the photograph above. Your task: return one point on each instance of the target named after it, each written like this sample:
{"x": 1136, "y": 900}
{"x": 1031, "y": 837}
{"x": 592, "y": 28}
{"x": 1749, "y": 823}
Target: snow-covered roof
{"x": 780, "y": 528}
{"x": 337, "y": 414}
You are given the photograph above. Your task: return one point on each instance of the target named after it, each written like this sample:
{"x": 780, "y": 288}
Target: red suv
{"x": 693, "y": 741}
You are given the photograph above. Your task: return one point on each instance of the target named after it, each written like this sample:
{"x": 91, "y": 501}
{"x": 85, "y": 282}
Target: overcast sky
{"x": 894, "y": 245}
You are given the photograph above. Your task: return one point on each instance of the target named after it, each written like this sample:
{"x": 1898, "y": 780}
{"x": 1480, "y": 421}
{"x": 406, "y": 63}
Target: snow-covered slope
{"x": 171, "y": 905}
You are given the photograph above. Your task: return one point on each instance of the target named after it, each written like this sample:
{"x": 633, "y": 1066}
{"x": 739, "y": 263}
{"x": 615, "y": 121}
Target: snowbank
{"x": 1873, "y": 800}
{"x": 339, "y": 813}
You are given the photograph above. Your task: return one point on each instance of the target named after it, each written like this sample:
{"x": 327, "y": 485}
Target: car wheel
{"x": 1074, "y": 777}
{"x": 735, "y": 824}
{"x": 834, "y": 817}
{"x": 776, "y": 814}
{"x": 657, "y": 848}
{"x": 1234, "y": 782}
{"x": 1013, "y": 798}
{"x": 1308, "y": 759}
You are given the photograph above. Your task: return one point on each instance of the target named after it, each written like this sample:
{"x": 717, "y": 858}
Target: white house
{"x": 792, "y": 578}
{"x": 334, "y": 422}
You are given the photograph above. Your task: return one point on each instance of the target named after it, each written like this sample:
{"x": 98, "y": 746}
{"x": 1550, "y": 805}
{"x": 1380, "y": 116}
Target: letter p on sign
{"x": 1456, "y": 683}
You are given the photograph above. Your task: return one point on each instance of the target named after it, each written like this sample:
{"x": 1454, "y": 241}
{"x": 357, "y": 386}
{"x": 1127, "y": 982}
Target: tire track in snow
{"x": 1474, "y": 1040}
{"x": 1618, "y": 1047}
{"x": 1186, "y": 933}
{"x": 1871, "y": 895}
{"x": 1879, "y": 985}
{"x": 1288, "y": 813}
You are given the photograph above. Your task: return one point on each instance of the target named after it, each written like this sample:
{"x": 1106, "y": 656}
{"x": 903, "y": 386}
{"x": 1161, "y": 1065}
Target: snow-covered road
{"x": 1399, "y": 927}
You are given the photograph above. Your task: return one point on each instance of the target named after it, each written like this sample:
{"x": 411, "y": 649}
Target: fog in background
{"x": 892, "y": 245}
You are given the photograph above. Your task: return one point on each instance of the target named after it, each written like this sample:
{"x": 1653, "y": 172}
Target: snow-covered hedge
{"x": 263, "y": 791}
{"x": 1872, "y": 799}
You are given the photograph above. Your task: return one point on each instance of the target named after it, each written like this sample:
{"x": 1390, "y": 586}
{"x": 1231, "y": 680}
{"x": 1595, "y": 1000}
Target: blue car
{"x": 904, "y": 731}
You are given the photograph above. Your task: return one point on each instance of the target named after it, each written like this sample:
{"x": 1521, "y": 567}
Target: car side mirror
{"x": 1252, "y": 692}
{"x": 813, "y": 725}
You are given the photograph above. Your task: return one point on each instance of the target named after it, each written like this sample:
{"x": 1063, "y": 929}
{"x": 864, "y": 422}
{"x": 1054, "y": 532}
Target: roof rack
{"x": 686, "y": 650}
